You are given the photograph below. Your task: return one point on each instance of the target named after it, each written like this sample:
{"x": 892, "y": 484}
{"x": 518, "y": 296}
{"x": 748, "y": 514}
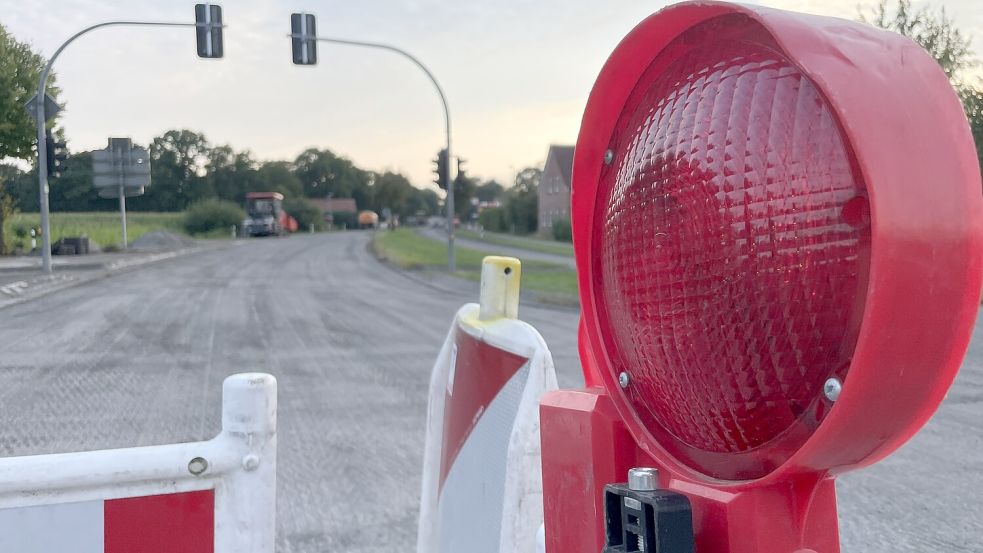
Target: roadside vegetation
{"x": 562, "y": 231}
{"x": 103, "y": 228}
{"x": 306, "y": 214}
{"x": 405, "y": 248}
{"x": 212, "y": 218}
{"x": 523, "y": 242}
{"x": 936, "y": 31}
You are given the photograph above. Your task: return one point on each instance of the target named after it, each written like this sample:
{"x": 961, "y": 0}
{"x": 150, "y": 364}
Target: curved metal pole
{"x": 448, "y": 181}
{"x": 42, "y": 124}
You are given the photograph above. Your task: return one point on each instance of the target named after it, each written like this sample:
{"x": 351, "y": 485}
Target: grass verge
{"x": 551, "y": 282}
{"x": 522, "y": 242}
{"x": 103, "y": 228}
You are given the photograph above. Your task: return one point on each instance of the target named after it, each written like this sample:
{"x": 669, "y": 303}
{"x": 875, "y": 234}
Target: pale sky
{"x": 516, "y": 72}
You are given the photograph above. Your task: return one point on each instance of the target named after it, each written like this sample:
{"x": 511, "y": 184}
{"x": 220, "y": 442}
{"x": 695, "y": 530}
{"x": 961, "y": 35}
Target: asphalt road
{"x": 138, "y": 359}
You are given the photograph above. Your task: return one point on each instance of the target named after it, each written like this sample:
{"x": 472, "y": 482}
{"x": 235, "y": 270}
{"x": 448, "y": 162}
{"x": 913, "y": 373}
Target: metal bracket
{"x": 658, "y": 521}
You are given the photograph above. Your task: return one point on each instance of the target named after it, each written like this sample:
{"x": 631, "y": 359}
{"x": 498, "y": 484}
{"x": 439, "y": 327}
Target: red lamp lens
{"x": 730, "y": 250}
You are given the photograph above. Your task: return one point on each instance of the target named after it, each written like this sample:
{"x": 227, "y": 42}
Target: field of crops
{"x": 103, "y": 228}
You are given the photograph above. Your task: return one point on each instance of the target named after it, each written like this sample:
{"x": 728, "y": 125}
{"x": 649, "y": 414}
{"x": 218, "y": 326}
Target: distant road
{"x": 139, "y": 358}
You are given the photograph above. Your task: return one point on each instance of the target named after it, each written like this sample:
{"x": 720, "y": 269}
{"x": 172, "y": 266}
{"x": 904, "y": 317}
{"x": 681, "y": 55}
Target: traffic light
{"x": 441, "y": 167}
{"x": 56, "y": 154}
{"x": 208, "y": 29}
{"x": 303, "y": 38}
{"x": 460, "y": 168}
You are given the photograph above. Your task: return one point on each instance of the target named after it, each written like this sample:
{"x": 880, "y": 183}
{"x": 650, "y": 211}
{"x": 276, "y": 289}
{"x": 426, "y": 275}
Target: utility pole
{"x": 122, "y": 206}
{"x": 213, "y": 34}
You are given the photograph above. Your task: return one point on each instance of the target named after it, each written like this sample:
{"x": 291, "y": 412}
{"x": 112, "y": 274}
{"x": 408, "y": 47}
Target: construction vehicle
{"x": 368, "y": 220}
{"x": 265, "y": 215}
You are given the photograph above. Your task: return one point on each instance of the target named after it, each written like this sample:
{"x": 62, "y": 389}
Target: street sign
{"x": 121, "y": 166}
{"x": 482, "y": 487}
{"x": 303, "y": 35}
{"x": 120, "y": 171}
{"x": 51, "y": 108}
{"x": 208, "y": 30}
{"x": 752, "y": 221}
{"x": 208, "y": 24}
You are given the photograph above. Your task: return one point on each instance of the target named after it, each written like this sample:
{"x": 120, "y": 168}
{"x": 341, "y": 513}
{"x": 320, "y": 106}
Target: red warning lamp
{"x": 778, "y": 228}
{"x": 727, "y": 263}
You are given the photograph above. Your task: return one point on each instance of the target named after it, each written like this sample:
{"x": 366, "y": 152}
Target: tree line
{"x": 935, "y": 31}
{"x": 186, "y": 169}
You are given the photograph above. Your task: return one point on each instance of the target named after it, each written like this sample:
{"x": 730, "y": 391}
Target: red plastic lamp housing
{"x": 778, "y": 227}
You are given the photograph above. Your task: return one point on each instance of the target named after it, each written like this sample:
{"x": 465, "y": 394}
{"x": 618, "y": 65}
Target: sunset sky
{"x": 516, "y": 72}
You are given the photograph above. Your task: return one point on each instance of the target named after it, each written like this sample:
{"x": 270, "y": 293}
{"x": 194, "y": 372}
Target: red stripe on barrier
{"x": 173, "y": 523}
{"x": 480, "y": 373}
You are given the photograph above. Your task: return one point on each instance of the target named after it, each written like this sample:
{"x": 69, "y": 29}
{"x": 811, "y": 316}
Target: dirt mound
{"x": 161, "y": 240}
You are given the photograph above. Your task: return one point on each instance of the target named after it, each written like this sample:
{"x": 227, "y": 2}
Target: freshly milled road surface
{"x": 139, "y": 358}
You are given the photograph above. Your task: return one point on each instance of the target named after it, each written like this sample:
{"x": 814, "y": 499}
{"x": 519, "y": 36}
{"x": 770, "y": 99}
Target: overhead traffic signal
{"x": 441, "y": 169}
{"x": 460, "y": 168}
{"x": 56, "y": 152}
{"x": 303, "y": 38}
{"x": 208, "y": 30}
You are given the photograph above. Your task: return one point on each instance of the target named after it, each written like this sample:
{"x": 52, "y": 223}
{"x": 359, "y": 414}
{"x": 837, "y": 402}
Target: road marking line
{"x": 14, "y": 288}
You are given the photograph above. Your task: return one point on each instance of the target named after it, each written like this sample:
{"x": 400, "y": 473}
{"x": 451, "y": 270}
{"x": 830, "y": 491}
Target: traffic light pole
{"x": 122, "y": 210}
{"x": 448, "y": 181}
{"x": 42, "y": 123}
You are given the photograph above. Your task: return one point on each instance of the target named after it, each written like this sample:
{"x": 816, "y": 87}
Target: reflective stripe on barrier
{"x": 217, "y": 496}
{"x": 482, "y": 478}
{"x": 182, "y": 522}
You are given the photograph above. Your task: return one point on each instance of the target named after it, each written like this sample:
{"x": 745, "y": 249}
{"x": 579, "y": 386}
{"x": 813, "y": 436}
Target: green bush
{"x": 492, "y": 219}
{"x": 21, "y": 232}
{"x": 562, "y": 231}
{"x": 209, "y": 215}
{"x": 345, "y": 219}
{"x": 7, "y": 212}
{"x": 305, "y": 212}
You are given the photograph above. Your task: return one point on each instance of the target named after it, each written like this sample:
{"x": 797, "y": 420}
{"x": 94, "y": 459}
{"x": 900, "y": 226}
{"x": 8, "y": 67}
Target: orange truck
{"x": 265, "y": 215}
{"x": 368, "y": 219}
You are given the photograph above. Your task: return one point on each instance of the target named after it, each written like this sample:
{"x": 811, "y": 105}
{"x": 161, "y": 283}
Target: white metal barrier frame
{"x": 239, "y": 465}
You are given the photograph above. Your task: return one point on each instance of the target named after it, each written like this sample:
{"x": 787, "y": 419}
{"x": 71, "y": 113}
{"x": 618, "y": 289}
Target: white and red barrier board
{"x": 216, "y": 496}
{"x": 481, "y": 377}
{"x": 181, "y": 522}
{"x": 482, "y": 490}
